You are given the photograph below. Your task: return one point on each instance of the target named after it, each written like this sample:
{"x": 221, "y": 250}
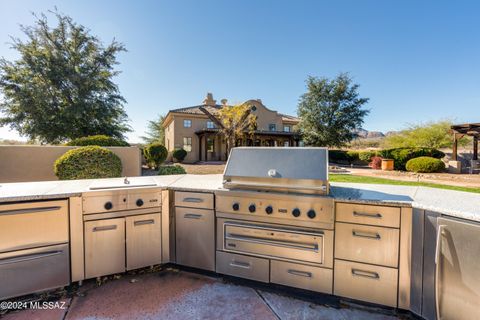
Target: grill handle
{"x": 277, "y": 243}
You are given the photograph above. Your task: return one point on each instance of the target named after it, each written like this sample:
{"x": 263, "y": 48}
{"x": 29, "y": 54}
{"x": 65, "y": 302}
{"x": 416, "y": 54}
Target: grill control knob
{"x": 252, "y": 208}
{"x": 139, "y": 202}
{"x": 311, "y": 214}
{"x": 296, "y": 212}
{"x": 108, "y": 205}
{"x": 236, "y": 207}
{"x": 269, "y": 210}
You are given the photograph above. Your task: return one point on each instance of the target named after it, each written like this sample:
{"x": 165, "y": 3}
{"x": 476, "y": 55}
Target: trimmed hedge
{"x": 89, "y": 162}
{"x": 338, "y": 156}
{"x": 98, "y": 140}
{"x": 425, "y": 165}
{"x": 402, "y": 155}
{"x": 168, "y": 170}
{"x": 179, "y": 154}
{"x": 155, "y": 154}
{"x": 366, "y": 156}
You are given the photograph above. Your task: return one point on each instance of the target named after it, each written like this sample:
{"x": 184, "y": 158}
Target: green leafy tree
{"x": 423, "y": 135}
{"x": 155, "y": 131}
{"x": 330, "y": 111}
{"x": 234, "y": 122}
{"x": 61, "y": 87}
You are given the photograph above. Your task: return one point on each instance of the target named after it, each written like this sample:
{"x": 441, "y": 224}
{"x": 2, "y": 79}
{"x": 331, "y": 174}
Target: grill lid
{"x": 299, "y": 170}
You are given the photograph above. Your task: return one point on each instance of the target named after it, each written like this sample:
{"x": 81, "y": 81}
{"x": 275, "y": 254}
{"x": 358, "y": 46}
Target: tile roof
{"x": 196, "y": 109}
{"x": 214, "y": 109}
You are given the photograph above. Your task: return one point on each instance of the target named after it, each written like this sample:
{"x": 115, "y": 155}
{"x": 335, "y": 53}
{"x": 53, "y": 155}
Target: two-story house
{"x": 191, "y": 129}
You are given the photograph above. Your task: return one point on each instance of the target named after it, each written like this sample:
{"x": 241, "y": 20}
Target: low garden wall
{"x": 35, "y": 163}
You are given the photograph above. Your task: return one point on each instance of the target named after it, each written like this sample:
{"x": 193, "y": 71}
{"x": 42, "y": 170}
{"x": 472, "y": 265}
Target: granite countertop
{"x": 453, "y": 203}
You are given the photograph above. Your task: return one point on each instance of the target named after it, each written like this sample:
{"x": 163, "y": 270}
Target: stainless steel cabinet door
{"x": 457, "y": 281}
{"x": 144, "y": 241}
{"x": 33, "y": 270}
{"x": 195, "y": 238}
{"x": 104, "y": 247}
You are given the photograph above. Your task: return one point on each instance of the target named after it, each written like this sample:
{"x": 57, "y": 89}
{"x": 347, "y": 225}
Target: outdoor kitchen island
{"x": 384, "y": 264}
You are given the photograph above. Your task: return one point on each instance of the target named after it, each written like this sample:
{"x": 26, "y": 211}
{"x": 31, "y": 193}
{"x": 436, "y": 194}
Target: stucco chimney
{"x": 224, "y": 102}
{"x": 209, "y": 100}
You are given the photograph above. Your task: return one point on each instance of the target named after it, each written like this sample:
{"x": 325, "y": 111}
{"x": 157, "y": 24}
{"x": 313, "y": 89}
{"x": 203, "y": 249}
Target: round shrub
{"x": 168, "y": 170}
{"x": 179, "y": 154}
{"x": 88, "y": 163}
{"x": 98, "y": 140}
{"x": 425, "y": 164}
{"x": 353, "y": 156}
{"x": 155, "y": 154}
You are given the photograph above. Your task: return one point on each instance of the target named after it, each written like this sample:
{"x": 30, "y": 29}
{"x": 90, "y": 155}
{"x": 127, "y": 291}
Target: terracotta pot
{"x": 387, "y": 164}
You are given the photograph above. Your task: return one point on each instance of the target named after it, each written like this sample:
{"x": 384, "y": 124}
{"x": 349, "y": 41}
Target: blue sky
{"x": 417, "y": 61}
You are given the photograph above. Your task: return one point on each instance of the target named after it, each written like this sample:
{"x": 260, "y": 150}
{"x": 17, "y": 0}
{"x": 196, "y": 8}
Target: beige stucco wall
{"x": 35, "y": 163}
{"x": 198, "y": 123}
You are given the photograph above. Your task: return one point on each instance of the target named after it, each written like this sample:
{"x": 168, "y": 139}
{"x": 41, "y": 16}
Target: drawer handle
{"x": 366, "y": 274}
{"x": 300, "y": 273}
{"x": 29, "y": 210}
{"x": 143, "y": 222}
{"x": 29, "y": 257}
{"x": 367, "y": 235}
{"x": 192, "y": 216}
{"x": 105, "y": 228}
{"x": 237, "y": 264}
{"x": 194, "y": 200}
{"x": 368, "y": 215}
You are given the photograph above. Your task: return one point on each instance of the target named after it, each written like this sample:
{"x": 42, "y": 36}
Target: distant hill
{"x": 365, "y": 134}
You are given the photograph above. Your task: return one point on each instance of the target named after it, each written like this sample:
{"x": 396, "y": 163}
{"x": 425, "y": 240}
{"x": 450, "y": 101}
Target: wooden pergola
{"x": 467, "y": 129}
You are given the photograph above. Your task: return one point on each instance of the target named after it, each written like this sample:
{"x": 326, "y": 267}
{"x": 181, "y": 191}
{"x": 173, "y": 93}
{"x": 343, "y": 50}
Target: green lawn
{"x": 360, "y": 179}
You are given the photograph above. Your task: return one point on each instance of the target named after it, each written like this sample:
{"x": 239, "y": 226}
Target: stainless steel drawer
{"x": 194, "y": 200}
{"x": 104, "y": 247}
{"x": 243, "y": 266}
{"x": 33, "y": 224}
{"x": 301, "y": 276}
{"x": 33, "y": 270}
{"x": 195, "y": 238}
{"x": 367, "y": 214}
{"x": 366, "y": 282}
{"x": 375, "y": 245}
{"x": 144, "y": 240}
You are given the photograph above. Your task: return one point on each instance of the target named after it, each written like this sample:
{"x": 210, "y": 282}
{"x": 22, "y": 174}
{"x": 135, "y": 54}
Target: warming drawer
{"x": 33, "y": 224}
{"x": 33, "y": 270}
{"x": 314, "y": 246}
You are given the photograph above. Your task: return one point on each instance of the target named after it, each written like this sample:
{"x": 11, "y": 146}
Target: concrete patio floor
{"x": 174, "y": 294}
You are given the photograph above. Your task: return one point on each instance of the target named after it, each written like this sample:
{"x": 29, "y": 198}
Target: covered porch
{"x": 461, "y": 130}
{"x": 212, "y": 146}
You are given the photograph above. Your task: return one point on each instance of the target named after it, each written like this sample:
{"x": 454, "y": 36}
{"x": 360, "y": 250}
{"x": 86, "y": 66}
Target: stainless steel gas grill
{"x": 275, "y": 221}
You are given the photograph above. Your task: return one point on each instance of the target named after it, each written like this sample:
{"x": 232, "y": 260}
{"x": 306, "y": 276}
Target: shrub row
{"x": 98, "y": 140}
{"x": 402, "y": 155}
{"x": 399, "y": 155}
